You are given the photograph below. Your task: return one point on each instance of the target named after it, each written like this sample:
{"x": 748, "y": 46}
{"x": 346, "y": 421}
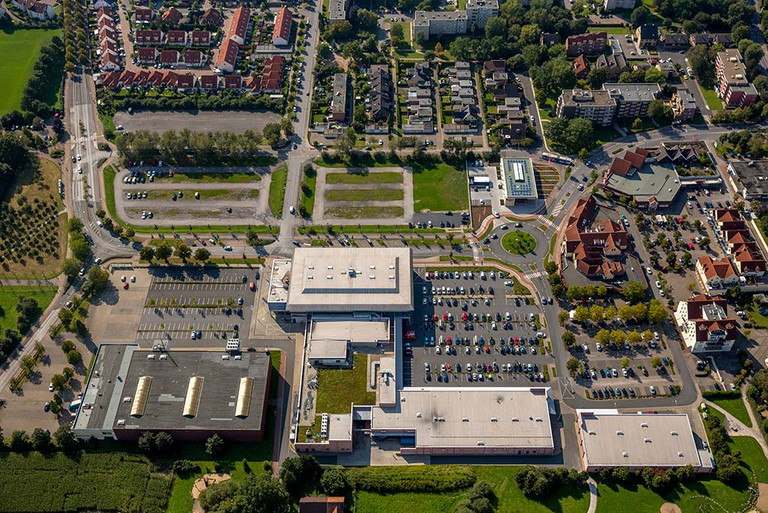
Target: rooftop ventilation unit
{"x": 465, "y": 419}
{"x": 647, "y": 440}
{"x": 619, "y": 433}
{"x": 625, "y": 454}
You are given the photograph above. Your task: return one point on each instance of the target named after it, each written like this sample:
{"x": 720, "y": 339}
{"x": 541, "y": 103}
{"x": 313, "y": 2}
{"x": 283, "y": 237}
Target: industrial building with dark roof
{"x": 189, "y": 394}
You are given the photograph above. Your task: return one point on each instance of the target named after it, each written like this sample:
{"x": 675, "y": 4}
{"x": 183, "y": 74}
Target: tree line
{"x": 46, "y": 74}
{"x": 14, "y": 157}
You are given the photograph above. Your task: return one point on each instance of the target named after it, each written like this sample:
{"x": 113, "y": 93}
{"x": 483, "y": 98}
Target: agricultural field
{"x": 32, "y": 233}
{"x": 20, "y": 50}
{"x": 107, "y": 482}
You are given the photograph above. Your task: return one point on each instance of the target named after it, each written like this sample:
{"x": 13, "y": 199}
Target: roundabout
{"x": 518, "y": 243}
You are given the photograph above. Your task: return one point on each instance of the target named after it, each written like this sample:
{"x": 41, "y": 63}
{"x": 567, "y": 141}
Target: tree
{"x": 183, "y": 251}
{"x": 66, "y": 316}
{"x": 68, "y": 346}
{"x": 634, "y": 292}
{"x": 163, "y": 441}
{"x": 634, "y": 338}
{"x": 625, "y": 362}
{"x": 581, "y": 314}
{"x": 19, "y": 441}
{"x": 146, "y": 442}
{"x": 70, "y": 267}
{"x": 59, "y": 382}
{"x": 74, "y": 357}
{"x": 98, "y": 277}
{"x": 496, "y": 27}
{"x": 618, "y": 337}
{"x": 656, "y": 312}
{"x": 637, "y": 124}
{"x": 65, "y": 438}
{"x": 164, "y": 250}
{"x": 202, "y": 254}
{"x": 639, "y": 16}
{"x": 596, "y": 313}
{"x": 655, "y": 362}
{"x": 562, "y": 317}
{"x": 603, "y": 336}
{"x": 272, "y": 133}
{"x": 573, "y": 365}
{"x": 660, "y": 112}
{"x": 214, "y": 445}
{"x": 334, "y": 481}
{"x": 147, "y": 253}
{"x": 569, "y": 338}
{"x": 396, "y": 31}
{"x": 41, "y": 439}
{"x": 611, "y": 313}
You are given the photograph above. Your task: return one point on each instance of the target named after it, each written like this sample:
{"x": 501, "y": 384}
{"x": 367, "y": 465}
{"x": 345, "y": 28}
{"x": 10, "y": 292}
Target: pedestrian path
{"x": 559, "y": 208}
{"x": 546, "y": 222}
{"x": 535, "y": 274}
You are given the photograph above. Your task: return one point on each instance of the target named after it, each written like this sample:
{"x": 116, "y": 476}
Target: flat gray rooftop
{"x": 652, "y": 180}
{"x": 637, "y": 440}
{"x": 113, "y": 393}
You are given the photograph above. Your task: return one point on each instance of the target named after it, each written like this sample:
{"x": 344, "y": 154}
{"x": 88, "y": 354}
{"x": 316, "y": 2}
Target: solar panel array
{"x": 520, "y": 181}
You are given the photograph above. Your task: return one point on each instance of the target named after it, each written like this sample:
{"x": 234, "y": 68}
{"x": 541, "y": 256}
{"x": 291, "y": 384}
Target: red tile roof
{"x": 211, "y": 17}
{"x": 228, "y": 52}
{"x": 169, "y": 56}
{"x": 193, "y": 57}
{"x": 147, "y": 54}
{"x": 143, "y": 14}
{"x": 148, "y": 36}
{"x": 233, "y": 82}
{"x": 201, "y": 37}
{"x": 239, "y": 24}
{"x": 209, "y": 82}
{"x": 177, "y": 37}
{"x": 172, "y": 16}
{"x": 283, "y": 22}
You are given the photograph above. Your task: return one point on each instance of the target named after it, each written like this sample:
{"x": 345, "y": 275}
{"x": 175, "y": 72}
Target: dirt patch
{"x": 669, "y": 507}
{"x": 206, "y": 481}
{"x": 762, "y": 497}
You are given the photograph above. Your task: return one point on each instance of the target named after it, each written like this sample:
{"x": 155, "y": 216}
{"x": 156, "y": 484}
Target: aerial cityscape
{"x": 465, "y": 256}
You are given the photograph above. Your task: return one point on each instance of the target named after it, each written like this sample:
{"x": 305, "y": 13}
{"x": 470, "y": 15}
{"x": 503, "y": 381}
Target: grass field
{"x": 736, "y": 407}
{"x": 710, "y": 96}
{"x": 518, "y": 243}
{"x": 37, "y": 186}
{"x": 338, "y": 388}
{"x": 363, "y": 178}
{"x": 610, "y": 30}
{"x": 439, "y": 187}
{"x": 277, "y": 191}
{"x": 114, "y": 481}
{"x": 255, "y": 453}
{"x": 364, "y": 212}
{"x": 213, "y": 176}
{"x": 206, "y": 194}
{"x": 755, "y": 317}
{"x": 510, "y": 498}
{"x": 308, "y": 186}
{"x": 9, "y": 297}
{"x": 20, "y": 50}
{"x": 364, "y": 195}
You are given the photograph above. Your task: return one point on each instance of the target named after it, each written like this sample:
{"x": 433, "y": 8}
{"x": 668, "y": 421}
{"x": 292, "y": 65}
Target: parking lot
{"x": 471, "y": 331}
{"x": 198, "y": 306}
{"x": 605, "y": 377}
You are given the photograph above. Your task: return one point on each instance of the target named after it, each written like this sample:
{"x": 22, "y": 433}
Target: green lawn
{"x": 364, "y": 178}
{"x": 364, "y": 195}
{"x": 755, "y": 317}
{"x": 109, "y": 191}
{"x": 752, "y": 457}
{"x": 406, "y": 26}
{"x": 20, "y": 50}
{"x": 337, "y": 389}
{"x": 610, "y": 30}
{"x": 364, "y": 212}
{"x": 9, "y": 296}
{"x": 510, "y": 498}
{"x": 605, "y": 134}
{"x": 710, "y": 96}
{"x": 736, "y": 407}
{"x": 308, "y": 183}
{"x": 213, "y": 176}
{"x": 439, "y": 187}
{"x": 255, "y": 453}
{"x": 277, "y": 191}
{"x": 518, "y": 242}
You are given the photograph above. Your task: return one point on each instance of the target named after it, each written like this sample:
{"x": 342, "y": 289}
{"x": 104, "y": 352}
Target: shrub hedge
{"x": 721, "y": 394}
{"x": 427, "y": 479}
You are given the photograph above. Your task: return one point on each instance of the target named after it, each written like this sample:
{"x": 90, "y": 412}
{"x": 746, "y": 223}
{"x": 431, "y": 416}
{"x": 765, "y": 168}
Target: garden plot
{"x": 546, "y": 179}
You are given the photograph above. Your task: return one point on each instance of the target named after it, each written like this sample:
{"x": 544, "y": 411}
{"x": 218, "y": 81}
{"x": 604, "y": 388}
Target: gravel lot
{"x": 236, "y": 121}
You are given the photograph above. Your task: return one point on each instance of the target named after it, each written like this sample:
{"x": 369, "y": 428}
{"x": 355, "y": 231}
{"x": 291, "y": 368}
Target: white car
{"x": 658, "y": 284}
{"x": 653, "y": 390}
{"x": 649, "y": 270}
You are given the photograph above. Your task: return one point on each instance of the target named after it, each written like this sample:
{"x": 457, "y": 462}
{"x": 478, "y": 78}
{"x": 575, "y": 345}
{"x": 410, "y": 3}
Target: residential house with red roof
{"x": 716, "y": 274}
{"x": 193, "y": 58}
{"x": 322, "y": 505}
{"x": 595, "y": 244}
{"x": 110, "y": 62}
{"x": 271, "y": 78}
{"x": 209, "y": 82}
{"x": 176, "y": 37}
{"x": 148, "y": 37}
{"x": 143, "y": 15}
{"x": 172, "y": 16}
{"x": 581, "y": 66}
{"x": 704, "y": 324}
{"x": 281, "y": 34}
{"x": 233, "y": 82}
{"x": 147, "y": 55}
{"x": 169, "y": 57}
{"x": 200, "y": 38}
{"x": 238, "y": 28}
{"x": 227, "y": 57}
{"x": 211, "y": 18}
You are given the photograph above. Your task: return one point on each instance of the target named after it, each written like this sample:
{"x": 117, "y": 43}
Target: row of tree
{"x": 45, "y": 80}
{"x": 165, "y": 249}
{"x": 41, "y": 440}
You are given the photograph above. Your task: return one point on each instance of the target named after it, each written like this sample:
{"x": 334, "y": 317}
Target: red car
{"x": 464, "y": 316}
{"x": 252, "y": 285}
{"x": 125, "y": 285}
{"x": 434, "y": 317}
{"x": 487, "y": 350}
{"x": 448, "y": 341}
{"x": 448, "y": 367}
{"x": 445, "y": 316}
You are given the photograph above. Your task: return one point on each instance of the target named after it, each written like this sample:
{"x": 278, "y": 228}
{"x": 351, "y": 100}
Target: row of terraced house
{"x": 268, "y": 82}
{"x": 108, "y": 48}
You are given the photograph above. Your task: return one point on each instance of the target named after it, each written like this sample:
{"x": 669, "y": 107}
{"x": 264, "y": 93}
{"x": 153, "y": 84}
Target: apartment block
{"x": 432, "y": 23}
{"x": 632, "y": 100}
{"x": 593, "y": 42}
{"x": 732, "y": 84}
{"x": 597, "y": 106}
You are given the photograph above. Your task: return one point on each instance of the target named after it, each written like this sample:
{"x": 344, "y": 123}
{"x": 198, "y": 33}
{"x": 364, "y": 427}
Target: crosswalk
{"x": 546, "y": 222}
{"x": 558, "y": 208}
{"x": 534, "y": 274}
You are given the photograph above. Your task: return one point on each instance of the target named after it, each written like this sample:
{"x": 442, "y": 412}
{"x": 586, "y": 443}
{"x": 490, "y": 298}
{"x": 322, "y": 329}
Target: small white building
{"x": 704, "y": 324}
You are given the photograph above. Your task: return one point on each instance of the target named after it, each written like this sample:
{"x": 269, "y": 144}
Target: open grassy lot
{"x": 363, "y": 178}
{"x": 438, "y": 187}
{"x": 213, "y": 176}
{"x": 735, "y": 406}
{"x": 609, "y": 30}
{"x": 33, "y": 244}
{"x": 9, "y": 296}
{"x": 510, "y": 498}
{"x": 115, "y": 481}
{"x": 755, "y": 317}
{"x": 752, "y": 457}
{"x": 518, "y": 242}
{"x": 20, "y": 50}
{"x": 232, "y": 459}
{"x": 308, "y": 185}
{"x": 277, "y": 191}
{"x": 338, "y": 388}
{"x": 364, "y": 212}
{"x": 710, "y": 96}
{"x": 206, "y": 194}
{"x": 364, "y": 195}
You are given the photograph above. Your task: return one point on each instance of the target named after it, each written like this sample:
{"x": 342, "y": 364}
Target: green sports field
{"x": 19, "y": 50}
